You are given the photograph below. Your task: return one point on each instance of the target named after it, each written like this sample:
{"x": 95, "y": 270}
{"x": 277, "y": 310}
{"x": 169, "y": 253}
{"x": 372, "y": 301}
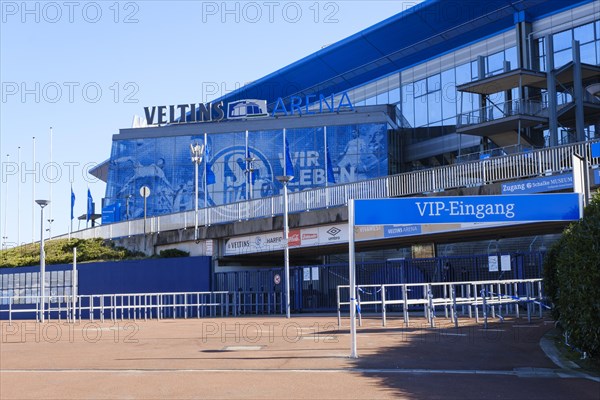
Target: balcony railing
{"x": 465, "y": 174}
{"x": 499, "y": 111}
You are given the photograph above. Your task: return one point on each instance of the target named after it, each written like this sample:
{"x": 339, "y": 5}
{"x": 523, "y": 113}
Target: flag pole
{"x": 50, "y": 220}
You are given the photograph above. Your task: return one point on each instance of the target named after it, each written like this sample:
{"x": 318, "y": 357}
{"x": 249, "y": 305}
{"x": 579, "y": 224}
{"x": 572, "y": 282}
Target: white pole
{"x": 33, "y": 195}
{"x": 248, "y": 177}
{"x": 352, "y": 275}
{"x": 285, "y": 171}
{"x": 50, "y": 220}
{"x": 205, "y": 181}
{"x": 19, "y": 196}
{"x": 4, "y": 233}
{"x": 70, "y": 214}
{"x": 42, "y": 265}
{"x": 196, "y": 202}
{"x": 74, "y": 282}
{"x": 286, "y": 249}
{"x": 327, "y": 161}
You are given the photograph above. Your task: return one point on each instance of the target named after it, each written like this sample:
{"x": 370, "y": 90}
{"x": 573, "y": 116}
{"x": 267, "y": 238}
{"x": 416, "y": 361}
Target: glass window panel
{"x": 463, "y": 74}
{"x": 371, "y": 101}
{"x": 434, "y": 105}
{"x": 421, "y": 111}
{"x": 511, "y": 57}
{"x": 19, "y": 280}
{"x": 448, "y": 94}
{"x": 541, "y": 46}
{"x": 394, "y": 96}
{"x": 562, "y": 40}
{"x": 474, "y": 70}
{"x": 420, "y": 87}
{"x": 433, "y": 83}
{"x": 585, "y": 33}
{"x": 495, "y": 63}
{"x": 562, "y": 57}
{"x": 408, "y": 105}
{"x": 382, "y": 98}
{"x": 588, "y": 53}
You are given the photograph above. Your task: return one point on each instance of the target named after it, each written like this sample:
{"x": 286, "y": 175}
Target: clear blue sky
{"x": 86, "y": 68}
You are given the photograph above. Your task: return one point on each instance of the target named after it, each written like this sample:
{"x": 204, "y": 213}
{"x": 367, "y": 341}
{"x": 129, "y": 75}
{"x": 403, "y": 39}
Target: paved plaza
{"x": 276, "y": 358}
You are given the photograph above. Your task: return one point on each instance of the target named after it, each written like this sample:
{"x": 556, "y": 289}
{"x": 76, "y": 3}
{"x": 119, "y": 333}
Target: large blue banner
{"x": 469, "y": 209}
{"x": 238, "y": 166}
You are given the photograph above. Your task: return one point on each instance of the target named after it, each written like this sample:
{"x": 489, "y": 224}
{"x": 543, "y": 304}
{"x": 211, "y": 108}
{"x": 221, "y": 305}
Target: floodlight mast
{"x": 197, "y": 151}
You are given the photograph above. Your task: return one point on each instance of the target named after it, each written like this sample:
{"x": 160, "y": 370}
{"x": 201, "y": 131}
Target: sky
{"x": 86, "y": 68}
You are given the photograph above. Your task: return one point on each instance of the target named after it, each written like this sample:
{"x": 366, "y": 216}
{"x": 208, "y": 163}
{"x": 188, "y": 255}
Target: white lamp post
{"x": 197, "y": 153}
{"x": 42, "y": 204}
{"x": 286, "y": 248}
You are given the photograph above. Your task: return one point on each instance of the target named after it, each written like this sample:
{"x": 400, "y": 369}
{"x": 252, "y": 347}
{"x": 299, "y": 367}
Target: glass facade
{"x": 23, "y": 286}
{"x": 239, "y": 166}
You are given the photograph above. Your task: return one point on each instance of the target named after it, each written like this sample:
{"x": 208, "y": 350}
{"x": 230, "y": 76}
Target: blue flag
{"x": 289, "y": 167}
{"x": 72, "y": 202}
{"x": 211, "y": 179}
{"x": 90, "y": 206}
{"x": 329, "y": 166}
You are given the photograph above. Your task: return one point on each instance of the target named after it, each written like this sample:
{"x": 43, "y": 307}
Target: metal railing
{"x": 465, "y": 174}
{"x": 134, "y": 306}
{"x": 496, "y": 297}
{"x": 502, "y": 110}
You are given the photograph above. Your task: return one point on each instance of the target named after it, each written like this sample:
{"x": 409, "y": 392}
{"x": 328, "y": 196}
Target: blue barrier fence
{"x": 313, "y": 287}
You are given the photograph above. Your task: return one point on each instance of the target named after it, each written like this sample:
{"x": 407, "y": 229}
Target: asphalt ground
{"x": 276, "y": 358}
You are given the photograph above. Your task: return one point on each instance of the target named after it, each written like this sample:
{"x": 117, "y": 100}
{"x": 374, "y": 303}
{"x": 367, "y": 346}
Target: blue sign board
{"x": 469, "y": 209}
{"x": 597, "y": 177}
{"x": 596, "y": 149}
{"x": 538, "y": 185}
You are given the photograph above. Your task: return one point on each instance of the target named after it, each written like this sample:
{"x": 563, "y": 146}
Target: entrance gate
{"x": 313, "y": 287}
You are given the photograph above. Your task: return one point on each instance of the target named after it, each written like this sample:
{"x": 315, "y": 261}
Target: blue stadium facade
{"x": 441, "y": 83}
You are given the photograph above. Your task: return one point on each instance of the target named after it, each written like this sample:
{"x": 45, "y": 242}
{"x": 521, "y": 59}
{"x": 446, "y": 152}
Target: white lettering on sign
{"x": 459, "y": 208}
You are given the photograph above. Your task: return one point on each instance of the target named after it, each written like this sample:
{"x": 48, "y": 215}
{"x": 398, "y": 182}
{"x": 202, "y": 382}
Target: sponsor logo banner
{"x": 368, "y": 232}
{"x": 538, "y": 185}
{"x": 294, "y": 239}
{"x": 254, "y": 244}
{"x": 399, "y": 230}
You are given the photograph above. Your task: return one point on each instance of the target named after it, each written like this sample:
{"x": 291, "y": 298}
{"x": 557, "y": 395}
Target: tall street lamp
{"x": 42, "y": 280}
{"x": 286, "y": 248}
{"x": 197, "y": 153}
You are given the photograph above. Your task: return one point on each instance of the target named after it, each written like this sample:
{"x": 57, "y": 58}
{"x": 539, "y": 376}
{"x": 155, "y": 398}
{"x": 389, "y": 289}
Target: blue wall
{"x": 185, "y": 274}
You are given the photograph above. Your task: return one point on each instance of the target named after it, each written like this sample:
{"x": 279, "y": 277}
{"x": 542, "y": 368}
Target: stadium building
{"x": 445, "y": 98}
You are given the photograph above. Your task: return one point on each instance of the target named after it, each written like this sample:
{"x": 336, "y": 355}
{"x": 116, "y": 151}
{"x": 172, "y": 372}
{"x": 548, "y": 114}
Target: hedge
{"x": 572, "y": 280}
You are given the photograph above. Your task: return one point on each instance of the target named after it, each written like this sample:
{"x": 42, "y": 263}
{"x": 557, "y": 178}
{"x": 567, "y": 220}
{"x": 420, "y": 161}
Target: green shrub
{"x": 60, "y": 251}
{"x": 170, "y": 253}
{"x": 572, "y": 279}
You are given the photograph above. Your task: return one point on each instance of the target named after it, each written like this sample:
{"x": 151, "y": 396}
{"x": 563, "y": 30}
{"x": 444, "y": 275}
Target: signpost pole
{"x": 352, "y": 275}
